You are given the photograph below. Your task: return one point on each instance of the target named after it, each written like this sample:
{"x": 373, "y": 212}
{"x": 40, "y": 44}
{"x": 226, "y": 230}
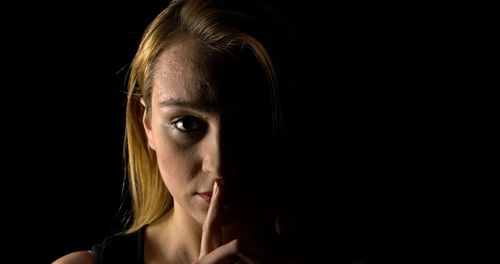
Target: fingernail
{"x": 216, "y": 188}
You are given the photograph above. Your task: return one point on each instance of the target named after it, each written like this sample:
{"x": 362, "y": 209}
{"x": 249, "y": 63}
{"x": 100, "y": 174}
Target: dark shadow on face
{"x": 244, "y": 98}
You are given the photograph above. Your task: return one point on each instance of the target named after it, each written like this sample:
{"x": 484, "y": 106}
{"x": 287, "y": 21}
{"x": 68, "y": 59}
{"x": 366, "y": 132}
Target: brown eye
{"x": 188, "y": 124}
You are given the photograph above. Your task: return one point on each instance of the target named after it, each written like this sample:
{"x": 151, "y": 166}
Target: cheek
{"x": 177, "y": 165}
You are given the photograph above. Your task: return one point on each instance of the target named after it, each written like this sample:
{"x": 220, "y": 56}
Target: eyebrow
{"x": 182, "y": 103}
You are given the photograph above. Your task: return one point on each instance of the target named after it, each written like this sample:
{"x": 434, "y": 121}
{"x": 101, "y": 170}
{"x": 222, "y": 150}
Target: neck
{"x": 176, "y": 238}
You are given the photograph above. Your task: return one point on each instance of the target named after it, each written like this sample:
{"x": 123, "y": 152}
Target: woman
{"x": 204, "y": 130}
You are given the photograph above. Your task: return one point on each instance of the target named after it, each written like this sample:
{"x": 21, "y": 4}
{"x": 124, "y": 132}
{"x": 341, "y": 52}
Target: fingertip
{"x": 215, "y": 188}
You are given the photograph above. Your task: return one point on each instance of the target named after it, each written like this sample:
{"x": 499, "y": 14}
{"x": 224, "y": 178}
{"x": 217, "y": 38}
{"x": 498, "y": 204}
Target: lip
{"x": 230, "y": 199}
{"x": 206, "y": 196}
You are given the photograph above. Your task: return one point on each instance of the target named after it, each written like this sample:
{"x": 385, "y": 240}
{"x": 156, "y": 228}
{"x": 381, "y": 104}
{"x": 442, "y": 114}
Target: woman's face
{"x": 208, "y": 122}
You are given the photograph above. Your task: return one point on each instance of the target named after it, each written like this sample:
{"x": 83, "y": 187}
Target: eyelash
{"x": 198, "y": 124}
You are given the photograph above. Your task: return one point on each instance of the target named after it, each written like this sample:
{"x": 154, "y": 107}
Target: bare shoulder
{"x": 78, "y": 257}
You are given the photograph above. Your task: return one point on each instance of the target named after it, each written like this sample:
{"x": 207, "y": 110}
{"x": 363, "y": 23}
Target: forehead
{"x": 189, "y": 70}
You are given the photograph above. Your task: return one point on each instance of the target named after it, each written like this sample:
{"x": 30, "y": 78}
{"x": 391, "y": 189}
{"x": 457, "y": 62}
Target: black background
{"x": 370, "y": 107}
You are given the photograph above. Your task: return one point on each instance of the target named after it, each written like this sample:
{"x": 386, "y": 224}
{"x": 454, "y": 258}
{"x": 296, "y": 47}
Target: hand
{"x": 212, "y": 250}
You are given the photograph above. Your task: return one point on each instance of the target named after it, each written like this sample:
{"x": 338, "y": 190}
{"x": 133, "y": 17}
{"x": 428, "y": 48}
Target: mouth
{"x": 229, "y": 199}
{"x": 205, "y": 196}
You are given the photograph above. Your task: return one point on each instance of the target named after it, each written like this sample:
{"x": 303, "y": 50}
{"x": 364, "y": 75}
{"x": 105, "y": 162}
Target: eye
{"x": 188, "y": 124}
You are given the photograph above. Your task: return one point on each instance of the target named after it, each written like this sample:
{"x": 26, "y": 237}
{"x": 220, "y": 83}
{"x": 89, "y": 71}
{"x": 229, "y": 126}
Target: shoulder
{"x": 78, "y": 257}
{"x": 119, "y": 248}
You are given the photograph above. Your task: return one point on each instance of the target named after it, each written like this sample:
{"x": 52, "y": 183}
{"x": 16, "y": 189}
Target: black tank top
{"x": 121, "y": 248}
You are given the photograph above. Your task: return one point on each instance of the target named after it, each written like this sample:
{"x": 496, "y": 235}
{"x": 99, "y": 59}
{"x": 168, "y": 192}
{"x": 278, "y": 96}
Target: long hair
{"x": 223, "y": 25}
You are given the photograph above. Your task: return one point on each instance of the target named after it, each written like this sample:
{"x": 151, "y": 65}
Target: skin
{"x": 194, "y": 126}
{"x": 208, "y": 136}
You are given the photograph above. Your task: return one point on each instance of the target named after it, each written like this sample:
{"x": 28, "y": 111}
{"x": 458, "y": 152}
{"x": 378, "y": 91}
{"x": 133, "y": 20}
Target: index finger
{"x": 211, "y": 236}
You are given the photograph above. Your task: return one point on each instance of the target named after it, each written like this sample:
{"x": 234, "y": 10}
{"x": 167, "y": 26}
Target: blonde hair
{"x": 223, "y": 26}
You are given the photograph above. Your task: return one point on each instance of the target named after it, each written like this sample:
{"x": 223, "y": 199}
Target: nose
{"x": 220, "y": 153}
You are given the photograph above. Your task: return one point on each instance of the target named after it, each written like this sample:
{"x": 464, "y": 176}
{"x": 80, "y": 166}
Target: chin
{"x": 200, "y": 216}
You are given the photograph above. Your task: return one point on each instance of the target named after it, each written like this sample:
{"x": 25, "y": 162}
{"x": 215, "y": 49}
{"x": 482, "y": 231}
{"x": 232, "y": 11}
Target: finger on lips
{"x": 211, "y": 236}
